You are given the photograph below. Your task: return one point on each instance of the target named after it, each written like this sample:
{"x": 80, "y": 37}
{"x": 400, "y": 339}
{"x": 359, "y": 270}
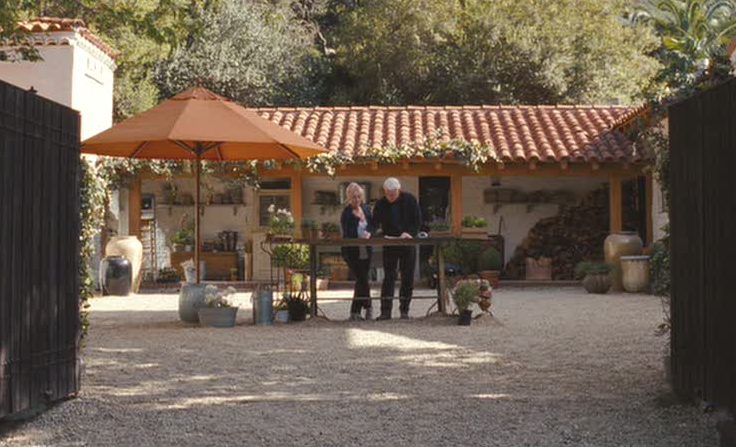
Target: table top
{"x": 375, "y": 241}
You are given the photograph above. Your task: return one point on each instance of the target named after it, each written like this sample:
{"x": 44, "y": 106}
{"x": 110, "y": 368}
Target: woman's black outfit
{"x": 357, "y": 258}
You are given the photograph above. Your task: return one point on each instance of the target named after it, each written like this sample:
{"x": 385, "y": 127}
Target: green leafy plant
{"x": 591, "y": 268}
{"x": 465, "y": 294}
{"x": 309, "y": 224}
{"x": 330, "y": 228}
{"x": 490, "y": 259}
{"x": 291, "y": 256}
{"x": 439, "y": 226}
{"x": 474, "y": 222}
{"x": 185, "y": 236}
{"x": 280, "y": 221}
{"x": 464, "y": 253}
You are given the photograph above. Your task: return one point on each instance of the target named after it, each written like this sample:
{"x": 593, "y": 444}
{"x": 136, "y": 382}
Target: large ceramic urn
{"x": 132, "y": 249}
{"x": 625, "y": 243}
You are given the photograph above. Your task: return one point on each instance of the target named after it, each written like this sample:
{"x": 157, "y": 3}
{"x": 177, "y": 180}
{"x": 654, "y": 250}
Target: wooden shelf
{"x": 234, "y": 206}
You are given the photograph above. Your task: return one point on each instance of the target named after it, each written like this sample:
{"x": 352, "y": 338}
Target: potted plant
{"x": 297, "y": 306}
{"x": 464, "y": 295}
{"x": 218, "y": 310}
{"x": 439, "y": 228}
{"x": 474, "y": 227}
{"x": 490, "y": 265}
{"x": 323, "y": 277}
{"x": 596, "y": 276}
{"x": 330, "y": 230}
{"x": 310, "y": 229}
{"x": 463, "y": 254}
{"x": 280, "y": 224}
{"x": 281, "y": 312}
{"x": 183, "y": 240}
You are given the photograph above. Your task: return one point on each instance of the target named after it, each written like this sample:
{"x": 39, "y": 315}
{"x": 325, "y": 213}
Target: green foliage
{"x": 291, "y": 256}
{"x": 184, "y": 236}
{"x": 330, "y": 228}
{"x": 93, "y": 201}
{"x": 506, "y": 51}
{"x": 465, "y": 294}
{"x": 250, "y": 51}
{"x": 659, "y": 265}
{"x": 490, "y": 259}
{"x": 439, "y": 226}
{"x": 591, "y": 268}
{"x": 694, "y": 35}
{"x": 309, "y": 224}
{"x": 474, "y": 222}
{"x": 464, "y": 253}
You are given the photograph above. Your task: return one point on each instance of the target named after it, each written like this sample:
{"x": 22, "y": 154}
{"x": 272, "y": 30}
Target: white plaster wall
{"x": 517, "y": 219}
{"x": 52, "y": 77}
{"x": 79, "y": 76}
{"x": 92, "y": 89}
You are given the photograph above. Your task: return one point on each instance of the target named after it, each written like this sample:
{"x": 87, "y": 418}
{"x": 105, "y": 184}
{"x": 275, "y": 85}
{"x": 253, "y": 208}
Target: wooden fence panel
{"x": 39, "y": 251}
{"x": 703, "y": 242}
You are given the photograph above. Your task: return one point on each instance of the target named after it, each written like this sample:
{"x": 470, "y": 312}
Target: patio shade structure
{"x": 198, "y": 124}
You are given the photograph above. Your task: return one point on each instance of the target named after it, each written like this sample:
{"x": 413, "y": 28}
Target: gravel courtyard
{"x": 556, "y": 367}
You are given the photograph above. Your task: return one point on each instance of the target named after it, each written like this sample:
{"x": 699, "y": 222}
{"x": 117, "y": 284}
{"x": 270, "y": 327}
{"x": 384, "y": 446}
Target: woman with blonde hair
{"x": 356, "y": 222}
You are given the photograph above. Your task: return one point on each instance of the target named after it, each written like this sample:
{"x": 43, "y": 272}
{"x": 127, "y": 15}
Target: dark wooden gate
{"x": 703, "y": 244}
{"x": 39, "y": 251}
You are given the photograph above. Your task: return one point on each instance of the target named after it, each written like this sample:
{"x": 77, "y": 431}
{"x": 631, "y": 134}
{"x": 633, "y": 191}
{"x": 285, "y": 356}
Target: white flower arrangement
{"x": 214, "y": 297}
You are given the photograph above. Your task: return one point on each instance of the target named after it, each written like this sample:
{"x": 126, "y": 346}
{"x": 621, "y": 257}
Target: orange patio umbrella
{"x": 199, "y": 125}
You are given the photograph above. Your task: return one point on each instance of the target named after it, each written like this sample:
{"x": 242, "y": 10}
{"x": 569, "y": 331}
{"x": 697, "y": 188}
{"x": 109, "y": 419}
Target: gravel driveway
{"x": 556, "y": 367}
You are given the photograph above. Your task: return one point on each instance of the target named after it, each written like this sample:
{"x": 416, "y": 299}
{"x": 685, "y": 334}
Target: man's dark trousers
{"x": 404, "y": 258}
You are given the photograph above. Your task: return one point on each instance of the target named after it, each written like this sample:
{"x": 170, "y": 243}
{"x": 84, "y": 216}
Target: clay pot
{"x": 635, "y": 273}
{"x": 130, "y": 248}
{"x": 625, "y": 243}
{"x": 597, "y": 282}
{"x": 492, "y": 276}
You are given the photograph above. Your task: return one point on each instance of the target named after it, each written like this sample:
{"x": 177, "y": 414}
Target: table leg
{"x": 441, "y": 285}
{"x": 313, "y": 279}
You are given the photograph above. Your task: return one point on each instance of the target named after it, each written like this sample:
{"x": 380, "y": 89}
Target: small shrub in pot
{"x": 595, "y": 276}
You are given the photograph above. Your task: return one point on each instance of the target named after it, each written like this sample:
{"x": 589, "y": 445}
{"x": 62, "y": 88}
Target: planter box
{"x": 474, "y": 233}
{"x": 538, "y": 269}
{"x": 217, "y": 316}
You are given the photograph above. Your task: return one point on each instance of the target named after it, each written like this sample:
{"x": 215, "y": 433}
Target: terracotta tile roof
{"x": 513, "y": 133}
{"x": 55, "y": 24}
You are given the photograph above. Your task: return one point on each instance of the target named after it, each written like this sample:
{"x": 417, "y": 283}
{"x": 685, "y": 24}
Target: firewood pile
{"x": 574, "y": 235}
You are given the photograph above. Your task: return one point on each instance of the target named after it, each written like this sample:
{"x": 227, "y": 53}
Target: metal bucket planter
{"x": 217, "y": 316}
{"x": 191, "y": 298}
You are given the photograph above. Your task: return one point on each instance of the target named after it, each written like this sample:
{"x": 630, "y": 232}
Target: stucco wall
{"x": 659, "y": 214}
{"x": 517, "y": 218}
{"x": 79, "y": 76}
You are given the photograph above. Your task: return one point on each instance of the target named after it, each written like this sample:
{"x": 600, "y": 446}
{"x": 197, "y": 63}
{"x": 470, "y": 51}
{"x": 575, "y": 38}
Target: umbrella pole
{"x": 196, "y": 217}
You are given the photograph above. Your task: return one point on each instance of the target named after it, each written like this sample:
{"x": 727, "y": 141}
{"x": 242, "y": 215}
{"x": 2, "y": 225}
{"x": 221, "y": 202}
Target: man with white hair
{"x": 398, "y": 215}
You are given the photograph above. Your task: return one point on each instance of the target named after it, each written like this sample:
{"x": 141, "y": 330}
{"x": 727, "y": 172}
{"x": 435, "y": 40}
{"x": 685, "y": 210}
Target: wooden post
{"x": 134, "y": 208}
{"x": 615, "y": 211}
{"x": 456, "y": 202}
{"x": 197, "y": 242}
{"x": 297, "y": 209}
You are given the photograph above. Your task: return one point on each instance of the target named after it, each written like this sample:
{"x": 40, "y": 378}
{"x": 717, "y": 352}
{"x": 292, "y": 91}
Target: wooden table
{"x": 437, "y": 242}
{"x": 218, "y": 263}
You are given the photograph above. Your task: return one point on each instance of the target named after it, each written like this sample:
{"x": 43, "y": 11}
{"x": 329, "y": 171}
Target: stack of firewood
{"x": 574, "y": 235}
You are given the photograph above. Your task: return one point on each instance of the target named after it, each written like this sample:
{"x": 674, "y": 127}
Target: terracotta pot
{"x": 132, "y": 249}
{"x": 492, "y": 276}
{"x": 625, "y": 243}
{"x": 635, "y": 273}
{"x": 597, "y": 282}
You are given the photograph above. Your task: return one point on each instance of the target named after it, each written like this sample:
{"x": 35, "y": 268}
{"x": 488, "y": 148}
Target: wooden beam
{"x": 615, "y": 210}
{"x": 456, "y": 202}
{"x": 134, "y": 208}
{"x": 297, "y": 207}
